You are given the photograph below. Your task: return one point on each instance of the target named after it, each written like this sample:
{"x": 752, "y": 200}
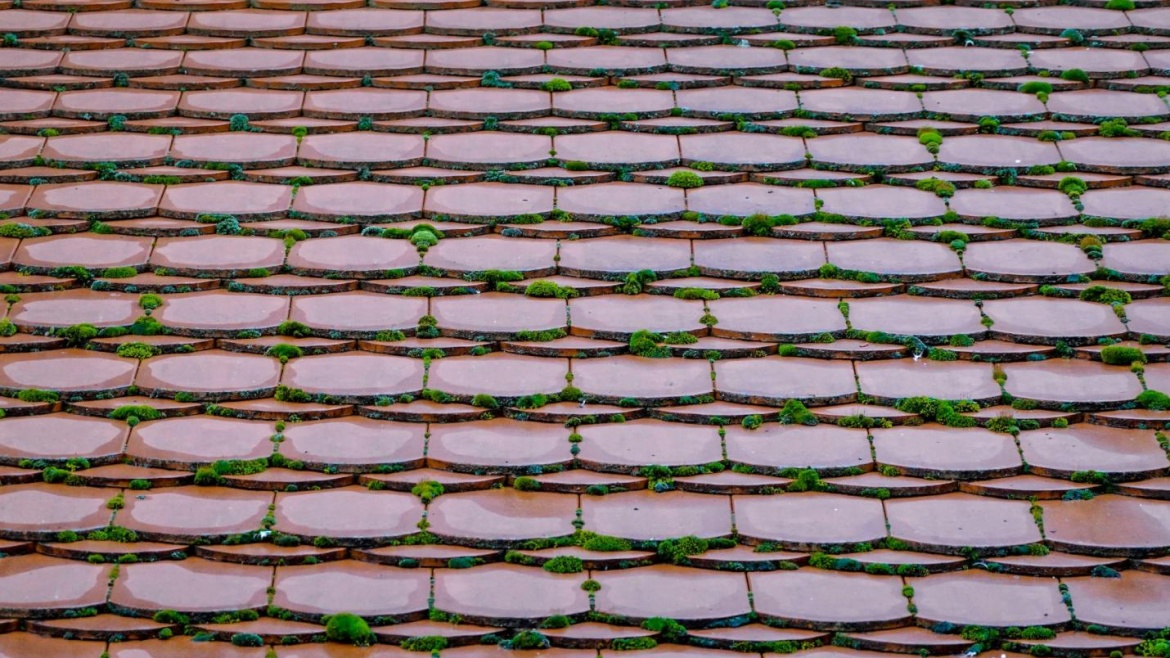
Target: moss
{"x": 247, "y": 640}
{"x": 147, "y": 326}
{"x": 861, "y": 421}
{"x": 1119, "y": 355}
{"x": 1105, "y": 295}
{"x": 961, "y": 340}
{"x": 284, "y": 352}
{"x": 941, "y": 189}
{"x": 685, "y": 180}
{"x": 1036, "y": 87}
{"x": 137, "y": 350}
{"x": 484, "y": 401}
{"x": 427, "y": 490}
{"x": 1153, "y": 227}
{"x": 606, "y": 543}
{"x": 795, "y": 413}
{"x": 171, "y": 617}
{"x": 564, "y": 564}
{"x": 428, "y": 643}
{"x": 113, "y": 533}
{"x": 1116, "y": 128}
{"x": 844, "y": 35}
{"x": 526, "y": 641}
{"x": 54, "y": 475}
{"x": 138, "y": 411}
{"x": 556, "y": 85}
{"x": 1154, "y": 647}
{"x": 21, "y": 230}
{"x": 1153, "y": 400}
{"x": 759, "y": 224}
{"x": 696, "y": 293}
{"x": 668, "y": 629}
{"x": 646, "y": 343}
{"x": 808, "y": 480}
{"x": 36, "y": 395}
{"x": 118, "y": 272}
{"x": 492, "y": 277}
{"x": 941, "y": 411}
{"x": 677, "y": 551}
{"x": 557, "y": 621}
{"x": 543, "y": 288}
{"x": 225, "y": 467}
{"x": 525, "y": 483}
{"x": 77, "y": 335}
{"x": 348, "y": 628}
{"x": 293, "y": 329}
{"x": 635, "y": 282}
{"x": 633, "y": 643}
{"x": 286, "y": 393}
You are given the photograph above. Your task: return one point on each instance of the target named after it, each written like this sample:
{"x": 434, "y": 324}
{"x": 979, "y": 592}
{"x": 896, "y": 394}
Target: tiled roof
{"x": 573, "y": 328}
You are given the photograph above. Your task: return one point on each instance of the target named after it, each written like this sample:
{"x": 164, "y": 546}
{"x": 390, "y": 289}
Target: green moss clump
{"x": 1036, "y": 87}
{"x": 941, "y": 411}
{"x": 668, "y": 629}
{"x": 147, "y": 326}
{"x": 1105, "y": 295}
{"x": 678, "y": 550}
{"x": 648, "y": 344}
{"x": 564, "y": 564}
{"x": 844, "y": 35}
{"x": 293, "y": 329}
{"x": 286, "y": 393}
{"x": 118, "y": 272}
{"x": 1114, "y": 127}
{"x": 77, "y": 335}
{"x": 557, "y": 621}
{"x": 696, "y": 293}
{"x": 428, "y": 643}
{"x": 1153, "y": 400}
{"x": 636, "y": 282}
{"x": 633, "y": 643}
{"x": 685, "y": 180}
{"x": 21, "y": 230}
{"x": 150, "y": 301}
{"x": 606, "y": 543}
{"x": 940, "y": 188}
{"x": 137, "y": 350}
{"x": 427, "y": 490}
{"x": 1120, "y": 355}
{"x": 247, "y": 640}
{"x": 543, "y": 288}
{"x": 37, "y": 395}
{"x": 525, "y": 483}
{"x": 484, "y": 401}
{"x": 526, "y": 641}
{"x": 557, "y": 85}
{"x": 348, "y": 628}
{"x": 139, "y": 411}
{"x": 795, "y": 413}
{"x": 284, "y": 352}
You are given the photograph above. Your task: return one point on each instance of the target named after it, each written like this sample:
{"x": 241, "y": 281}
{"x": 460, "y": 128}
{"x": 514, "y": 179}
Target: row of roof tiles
{"x": 365, "y": 377}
